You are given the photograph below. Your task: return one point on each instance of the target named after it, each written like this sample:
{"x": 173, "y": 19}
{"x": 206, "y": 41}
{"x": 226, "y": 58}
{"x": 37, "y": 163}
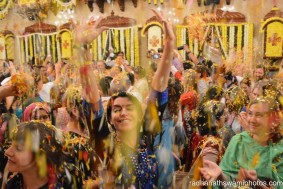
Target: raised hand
{"x": 242, "y": 118}
{"x": 86, "y": 32}
{"x": 160, "y": 79}
{"x": 167, "y": 25}
{"x": 245, "y": 175}
{"x": 210, "y": 171}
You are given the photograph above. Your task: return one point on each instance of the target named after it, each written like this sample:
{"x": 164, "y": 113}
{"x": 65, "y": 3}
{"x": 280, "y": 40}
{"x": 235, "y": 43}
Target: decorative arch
{"x": 122, "y": 36}
{"x": 10, "y": 46}
{"x": 7, "y": 45}
{"x": 65, "y": 38}
{"x": 272, "y": 29}
{"x": 38, "y": 41}
{"x": 153, "y": 31}
{"x": 223, "y": 30}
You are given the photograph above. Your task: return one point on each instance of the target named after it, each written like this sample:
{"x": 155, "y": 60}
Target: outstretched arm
{"x": 192, "y": 57}
{"x": 161, "y": 77}
{"x": 83, "y": 35}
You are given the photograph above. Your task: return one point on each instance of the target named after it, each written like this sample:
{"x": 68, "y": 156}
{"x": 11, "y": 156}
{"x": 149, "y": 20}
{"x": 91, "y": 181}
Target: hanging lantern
{"x": 228, "y": 2}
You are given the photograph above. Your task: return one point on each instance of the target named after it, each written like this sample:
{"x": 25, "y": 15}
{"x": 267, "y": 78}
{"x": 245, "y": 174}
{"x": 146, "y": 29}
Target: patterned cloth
{"x": 139, "y": 167}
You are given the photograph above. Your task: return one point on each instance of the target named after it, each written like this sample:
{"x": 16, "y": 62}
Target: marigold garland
{"x": 104, "y": 39}
{"x": 122, "y": 40}
{"x": 136, "y": 61}
{"x": 43, "y": 46}
{"x": 22, "y": 50}
{"x": 30, "y": 46}
{"x": 231, "y": 37}
{"x": 178, "y": 29}
{"x": 224, "y": 36}
{"x": 99, "y": 47}
{"x": 155, "y": 1}
{"x": 21, "y": 82}
{"x": 53, "y": 47}
{"x": 239, "y": 41}
{"x": 116, "y": 40}
{"x": 250, "y": 42}
{"x": 94, "y": 49}
{"x": 132, "y": 47}
{"x": 63, "y": 5}
{"x": 128, "y": 43}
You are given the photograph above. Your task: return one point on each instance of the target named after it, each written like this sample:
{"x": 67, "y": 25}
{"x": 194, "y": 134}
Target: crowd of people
{"x": 79, "y": 124}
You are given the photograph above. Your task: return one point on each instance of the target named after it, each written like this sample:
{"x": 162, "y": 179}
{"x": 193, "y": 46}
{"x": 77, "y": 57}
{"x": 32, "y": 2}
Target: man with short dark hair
{"x": 259, "y": 73}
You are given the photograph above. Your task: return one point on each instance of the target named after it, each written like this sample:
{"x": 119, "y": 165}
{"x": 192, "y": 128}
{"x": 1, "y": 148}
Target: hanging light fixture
{"x": 228, "y": 2}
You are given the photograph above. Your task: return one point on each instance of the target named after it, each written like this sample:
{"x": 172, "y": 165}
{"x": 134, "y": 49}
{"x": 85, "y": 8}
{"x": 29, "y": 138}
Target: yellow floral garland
{"x": 250, "y": 42}
{"x": 104, "y": 38}
{"x": 224, "y": 36}
{"x": 116, "y": 39}
{"x": 144, "y": 29}
{"x": 191, "y": 43}
{"x": 181, "y": 36}
{"x": 94, "y": 49}
{"x": 65, "y": 5}
{"x": 53, "y": 47}
{"x": 21, "y": 82}
{"x": 22, "y": 49}
{"x": 30, "y": 45}
{"x": 128, "y": 43}
{"x": 137, "y": 62}
{"x": 43, "y": 46}
{"x": 155, "y": 1}
{"x": 239, "y": 42}
{"x": 178, "y": 34}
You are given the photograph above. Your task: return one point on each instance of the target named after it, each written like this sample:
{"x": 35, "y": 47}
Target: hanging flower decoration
{"x": 196, "y": 25}
{"x": 33, "y": 10}
{"x": 4, "y": 7}
{"x": 65, "y": 4}
{"x": 22, "y": 83}
{"x": 155, "y": 1}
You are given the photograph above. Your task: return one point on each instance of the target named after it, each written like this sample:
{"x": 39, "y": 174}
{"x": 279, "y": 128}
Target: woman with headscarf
{"x": 36, "y": 111}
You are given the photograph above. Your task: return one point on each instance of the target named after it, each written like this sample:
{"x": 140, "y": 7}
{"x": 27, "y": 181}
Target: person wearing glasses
{"x": 253, "y": 157}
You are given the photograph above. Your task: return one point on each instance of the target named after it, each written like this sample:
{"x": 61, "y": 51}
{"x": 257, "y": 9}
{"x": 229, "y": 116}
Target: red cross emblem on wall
{"x": 154, "y": 41}
{"x": 65, "y": 44}
{"x": 274, "y": 39}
